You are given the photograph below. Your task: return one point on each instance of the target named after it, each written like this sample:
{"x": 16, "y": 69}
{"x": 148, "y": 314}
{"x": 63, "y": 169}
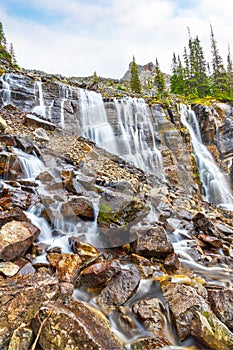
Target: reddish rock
{"x": 99, "y": 273}
{"x": 221, "y": 301}
{"x": 12, "y": 214}
{"x": 78, "y": 206}
{"x": 15, "y": 239}
{"x": 84, "y": 250}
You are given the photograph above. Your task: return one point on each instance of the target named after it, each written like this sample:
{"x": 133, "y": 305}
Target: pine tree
{"x": 135, "y": 83}
{"x": 229, "y": 71}
{"x": 219, "y": 76}
{"x": 159, "y": 79}
{"x": 12, "y": 53}
{"x": 2, "y": 37}
{"x": 177, "y": 80}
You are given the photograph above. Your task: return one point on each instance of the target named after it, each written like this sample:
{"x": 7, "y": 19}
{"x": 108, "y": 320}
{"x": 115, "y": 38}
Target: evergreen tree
{"x": 2, "y": 37}
{"x": 177, "y": 80}
{"x": 219, "y": 76}
{"x": 159, "y": 79}
{"x": 135, "y": 83}
{"x": 12, "y": 53}
{"x": 229, "y": 71}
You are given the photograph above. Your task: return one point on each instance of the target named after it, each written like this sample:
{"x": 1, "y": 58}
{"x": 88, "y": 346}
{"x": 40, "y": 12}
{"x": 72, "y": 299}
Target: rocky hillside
{"x": 96, "y": 252}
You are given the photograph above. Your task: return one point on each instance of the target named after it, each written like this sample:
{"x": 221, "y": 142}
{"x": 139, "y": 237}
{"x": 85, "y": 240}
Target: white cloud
{"x": 102, "y": 36}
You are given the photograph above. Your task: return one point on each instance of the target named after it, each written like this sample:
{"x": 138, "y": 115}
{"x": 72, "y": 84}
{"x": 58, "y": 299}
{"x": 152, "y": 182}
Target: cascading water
{"x": 6, "y": 90}
{"x": 95, "y": 125}
{"x": 136, "y": 135}
{"x": 134, "y": 140}
{"x": 214, "y": 184}
{"x": 40, "y": 107}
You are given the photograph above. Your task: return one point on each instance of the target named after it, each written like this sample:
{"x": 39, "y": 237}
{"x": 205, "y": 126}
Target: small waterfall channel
{"x": 215, "y": 188}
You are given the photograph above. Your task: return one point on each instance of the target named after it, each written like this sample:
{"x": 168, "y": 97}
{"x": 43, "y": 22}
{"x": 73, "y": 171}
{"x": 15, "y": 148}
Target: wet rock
{"x": 213, "y": 241}
{"x": 67, "y": 266}
{"x": 8, "y": 269}
{"x": 201, "y": 223}
{"x": 225, "y": 229}
{"x": 152, "y": 242}
{"x": 20, "y": 298}
{"x": 211, "y": 332}
{"x": 7, "y": 160}
{"x": 32, "y": 120}
{"x": 22, "y": 338}
{"x": 66, "y": 292}
{"x": 84, "y": 250}
{"x": 154, "y": 316}
{"x": 3, "y": 124}
{"x": 183, "y": 301}
{"x": 144, "y": 265}
{"x": 25, "y": 143}
{"x": 15, "y": 239}
{"x": 184, "y": 215}
{"x": 7, "y": 140}
{"x": 27, "y": 269}
{"x": 15, "y": 198}
{"x": 78, "y": 206}
{"x": 120, "y": 288}
{"x": 221, "y": 301}
{"x": 172, "y": 263}
{"x": 76, "y": 324}
{"x": 99, "y": 273}
{"x": 150, "y": 343}
{"x": 41, "y": 135}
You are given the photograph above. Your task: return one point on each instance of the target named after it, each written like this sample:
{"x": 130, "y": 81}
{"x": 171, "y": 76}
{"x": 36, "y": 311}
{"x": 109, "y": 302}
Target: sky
{"x": 79, "y": 37}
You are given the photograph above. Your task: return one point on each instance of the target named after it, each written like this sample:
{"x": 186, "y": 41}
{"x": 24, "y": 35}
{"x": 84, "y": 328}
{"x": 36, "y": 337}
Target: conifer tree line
{"x": 193, "y": 76}
{"x": 6, "y": 52}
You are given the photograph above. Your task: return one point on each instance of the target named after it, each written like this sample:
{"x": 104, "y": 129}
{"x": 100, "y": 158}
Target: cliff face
{"x": 77, "y": 110}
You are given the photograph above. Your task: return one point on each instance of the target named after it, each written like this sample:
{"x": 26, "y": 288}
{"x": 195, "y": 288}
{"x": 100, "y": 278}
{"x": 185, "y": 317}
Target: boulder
{"x": 152, "y": 242}
{"x": 22, "y": 338}
{"x": 221, "y": 301}
{"x": 8, "y": 268}
{"x": 33, "y": 120}
{"x": 41, "y": 135}
{"x": 3, "y": 124}
{"x": 84, "y": 250}
{"x": 183, "y": 301}
{"x": 150, "y": 343}
{"x": 67, "y": 266}
{"x": 7, "y": 160}
{"x": 154, "y": 316}
{"x": 20, "y": 298}
{"x": 15, "y": 239}
{"x": 12, "y": 214}
{"x": 7, "y": 140}
{"x": 120, "y": 288}
{"x": 75, "y": 326}
{"x": 211, "y": 332}
{"x": 99, "y": 273}
{"x": 25, "y": 143}
{"x": 78, "y": 206}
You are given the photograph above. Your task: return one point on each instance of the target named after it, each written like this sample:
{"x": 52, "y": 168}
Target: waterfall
{"x": 6, "y": 90}
{"x": 215, "y": 187}
{"x": 40, "y": 108}
{"x": 136, "y": 135}
{"x": 133, "y": 136}
{"x": 95, "y": 125}
{"x": 31, "y": 165}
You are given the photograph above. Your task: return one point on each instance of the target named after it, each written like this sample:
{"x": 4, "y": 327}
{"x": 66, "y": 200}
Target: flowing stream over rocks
{"x": 95, "y": 252}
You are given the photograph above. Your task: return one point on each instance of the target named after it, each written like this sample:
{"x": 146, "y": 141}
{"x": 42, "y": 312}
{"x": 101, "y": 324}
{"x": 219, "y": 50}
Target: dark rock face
{"x": 120, "y": 288}
{"x": 153, "y": 242}
{"x": 78, "y": 325}
{"x": 20, "y": 299}
{"x": 221, "y": 301}
{"x": 78, "y": 206}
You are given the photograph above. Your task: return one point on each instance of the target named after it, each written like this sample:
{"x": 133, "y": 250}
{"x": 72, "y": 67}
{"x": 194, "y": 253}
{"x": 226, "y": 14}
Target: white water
{"x": 95, "y": 125}
{"x": 215, "y": 187}
{"x": 31, "y": 165}
{"x": 38, "y": 92}
{"x": 6, "y": 90}
{"x": 134, "y": 140}
{"x": 136, "y": 135}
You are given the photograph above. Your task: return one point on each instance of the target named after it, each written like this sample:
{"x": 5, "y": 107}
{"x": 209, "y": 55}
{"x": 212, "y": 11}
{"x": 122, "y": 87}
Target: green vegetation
{"x": 135, "y": 83}
{"x": 193, "y": 78}
{"x": 6, "y": 55}
{"x": 159, "y": 80}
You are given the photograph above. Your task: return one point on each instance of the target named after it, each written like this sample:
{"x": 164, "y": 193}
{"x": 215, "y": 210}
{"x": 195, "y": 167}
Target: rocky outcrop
{"x": 78, "y": 325}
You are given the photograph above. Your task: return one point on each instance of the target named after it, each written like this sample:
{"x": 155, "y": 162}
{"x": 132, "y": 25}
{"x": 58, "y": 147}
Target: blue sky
{"x": 78, "y": 37}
